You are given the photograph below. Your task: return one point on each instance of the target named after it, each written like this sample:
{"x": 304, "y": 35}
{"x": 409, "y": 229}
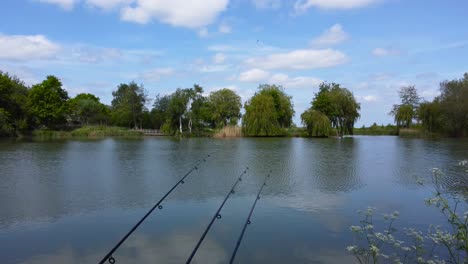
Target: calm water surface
{"x": 71, "y": 201}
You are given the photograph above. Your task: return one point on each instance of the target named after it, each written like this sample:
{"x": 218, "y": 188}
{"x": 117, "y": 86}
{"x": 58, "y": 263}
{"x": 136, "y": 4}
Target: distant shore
{"x": 226, "y": 132}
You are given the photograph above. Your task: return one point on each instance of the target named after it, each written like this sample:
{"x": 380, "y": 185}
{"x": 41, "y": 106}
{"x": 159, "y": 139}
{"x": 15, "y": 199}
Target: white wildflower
{"x": 405, "y": 248}
{"x": 374, "y": 249}
{"x": 351, "y": 249}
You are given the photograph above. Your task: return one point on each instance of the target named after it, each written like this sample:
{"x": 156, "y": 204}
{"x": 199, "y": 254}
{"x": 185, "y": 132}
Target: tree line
{"x": 446, "y": 114}
{"x": 269, "y": 112}
{"x": 48, "y": 106}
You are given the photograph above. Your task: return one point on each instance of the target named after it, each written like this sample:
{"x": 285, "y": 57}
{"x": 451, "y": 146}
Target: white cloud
{"x": 24, "y": 47}
{"x": 221, "y": 48}
{"x": 90, "y": 54}
{"x": 295, "y": 82}
{"x": 108, "y": 4}
{"x": 430, "y": 93}
{"x": 199, "y": 61}
{"x": 303, "y": 5}
{"x": 65, "y": 4}
{"x": 267, "y": 4}
{"x": 331, "y": 36}
{"x": 213, "y": 68}
{"x": 258, "y": 75}
{"x": 25, "y": 73}
{"x": 370, "y": 98}
{"x": 219, "y": 58}
{"x": 155, "y": 74}
{"x": 203, "y": 33}
{"x": 224, "y": 28}
{"x": 254, "y": 75}
{"x": 182, "y": 13}
{"x": 300, "y": 59}
{"x": 380, "y": 76}
{"x": 382, "y": 52}
{"x": 367, "y": 98}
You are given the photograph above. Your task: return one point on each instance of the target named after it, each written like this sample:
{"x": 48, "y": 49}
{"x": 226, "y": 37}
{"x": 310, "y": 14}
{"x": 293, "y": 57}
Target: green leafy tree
{"x": 430, "y": 115}
{"x": 268, "y": 112}
{"x": 283, "y": 103}
{"x": 128, "y": 105}
{"x": 317, "y": 124}
{"x": 260, "y": 117}
{"x": 48, "y": 102}
{"x": 86, "y": 109}
{"x": 404, "y": 116}
{"x": 409, "y": 96}
{"x": 6, "y": 129}
{"x": 224, "y": 106}
{"x": 159, "y": 113}
{"x": 186, "y": 108}
{"x": 409, "y": 99}
{"x": 339, "y": 105}
{"x": 454, "y": 105}
{"x": 177, "y": 110}
{"x": 196, "y": 108}
{"x": 13, "y": 101}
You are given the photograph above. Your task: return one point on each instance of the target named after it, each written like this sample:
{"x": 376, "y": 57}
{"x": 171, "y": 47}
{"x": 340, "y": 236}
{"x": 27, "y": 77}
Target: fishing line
{"x": 248, "y": 222}
{"x": 157, "y": 205}
{"x": 217, "y": 215}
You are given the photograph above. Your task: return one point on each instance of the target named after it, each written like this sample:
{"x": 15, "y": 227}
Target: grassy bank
{"x": 87, "y": 132}
{"x": 417, "y": 133}
{"x": 376, "y": 130}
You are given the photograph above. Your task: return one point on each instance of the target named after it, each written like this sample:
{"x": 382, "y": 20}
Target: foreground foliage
{"x": 437, "y": 245}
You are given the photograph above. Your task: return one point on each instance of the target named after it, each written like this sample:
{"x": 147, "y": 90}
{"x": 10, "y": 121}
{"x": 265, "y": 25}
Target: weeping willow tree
{"x": 404, "y": 115}
{"x": 317, "y": 124}
{"x": 268, "y": 112}
{"x": 260, "y": 117}
{"x": 339, "y": 105}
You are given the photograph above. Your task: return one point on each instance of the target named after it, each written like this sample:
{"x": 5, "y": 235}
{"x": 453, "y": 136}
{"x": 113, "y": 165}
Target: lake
{"x": 71, "y": 201}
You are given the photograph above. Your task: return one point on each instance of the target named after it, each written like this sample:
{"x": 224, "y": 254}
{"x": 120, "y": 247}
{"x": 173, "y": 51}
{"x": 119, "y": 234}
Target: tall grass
{"x": 50, "y": 134}
{"x": 229, "y": 131}
{"x": 411, "y": 133}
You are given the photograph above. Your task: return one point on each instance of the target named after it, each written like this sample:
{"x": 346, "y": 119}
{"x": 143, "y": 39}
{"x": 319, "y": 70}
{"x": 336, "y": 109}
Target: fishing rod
{"x": 217, "y": 215}
{"x": 247, "y": 222}
{"x": 157, "y": 205}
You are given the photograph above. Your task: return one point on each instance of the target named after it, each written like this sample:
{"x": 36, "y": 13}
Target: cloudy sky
{"x": 372, "y": 47}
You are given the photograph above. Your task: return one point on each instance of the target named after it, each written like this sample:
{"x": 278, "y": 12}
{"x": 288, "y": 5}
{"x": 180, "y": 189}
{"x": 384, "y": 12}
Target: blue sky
{"x": 372, "y": 47}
